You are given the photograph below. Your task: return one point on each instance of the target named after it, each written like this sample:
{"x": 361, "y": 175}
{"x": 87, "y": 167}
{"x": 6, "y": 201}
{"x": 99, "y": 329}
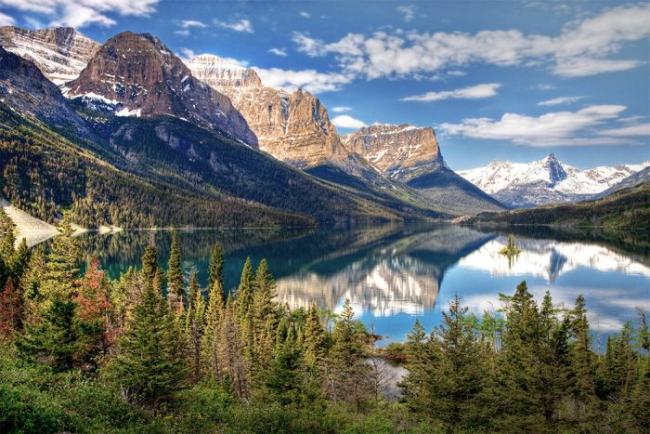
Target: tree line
{"x": 173, "y": 356}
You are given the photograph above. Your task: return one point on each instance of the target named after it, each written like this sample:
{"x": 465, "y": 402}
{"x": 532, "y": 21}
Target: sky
{"x": 497, "y": 80}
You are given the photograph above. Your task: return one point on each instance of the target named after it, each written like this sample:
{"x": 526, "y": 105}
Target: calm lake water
{"x": 393, "y": 274}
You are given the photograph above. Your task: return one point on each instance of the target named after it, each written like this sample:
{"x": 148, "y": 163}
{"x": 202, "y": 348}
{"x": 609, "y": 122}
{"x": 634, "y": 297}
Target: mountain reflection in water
{"x": 392, "y": 274}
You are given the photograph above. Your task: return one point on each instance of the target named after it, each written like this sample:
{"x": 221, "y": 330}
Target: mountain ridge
{"x": 545, "y": 181}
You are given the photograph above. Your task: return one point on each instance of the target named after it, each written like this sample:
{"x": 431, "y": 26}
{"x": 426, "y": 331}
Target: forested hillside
{"x": 155, "y": 352}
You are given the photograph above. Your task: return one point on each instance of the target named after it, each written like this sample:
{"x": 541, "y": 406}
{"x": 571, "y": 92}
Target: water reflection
{"x": 392, "y": 274}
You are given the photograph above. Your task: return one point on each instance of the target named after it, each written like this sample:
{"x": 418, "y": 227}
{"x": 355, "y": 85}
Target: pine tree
{"x": 263, "y": 307}
{"x": 175, "y": 287}
{"x": 53, "y": 340}
{"x": 245, "y": 290}
{"x": 212, "y": 359}
{"x": 284, "y": 380}
{"x": 348, "y": 374}
{"x": 583, "y": 365}
{"x": 20, "y": 260}
{"x": 61, "y": 270}
{"x": 215, "y": 270}
{"x": 195, "y": 325}
{"x": 148, "y": 366}
{"x": 419, "y": 364}
{"x": 314, "y": 339}
{"x": 150, "y": 263}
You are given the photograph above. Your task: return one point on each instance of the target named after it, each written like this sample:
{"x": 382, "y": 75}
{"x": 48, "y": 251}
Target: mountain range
{"x": 206, "y": 129}
{"x": 523, "y": 185}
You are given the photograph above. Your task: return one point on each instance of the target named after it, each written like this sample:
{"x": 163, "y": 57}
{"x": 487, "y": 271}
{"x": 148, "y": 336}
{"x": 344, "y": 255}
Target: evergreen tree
{"x": 347, "y": 373}
{"x": 10, "y": 311}
{"x": 245, "y": 290}
{"x": 148, "y": 366}
{"x": 150, "y": 263}
{"x": 175, "y": 286}
{"x": 583, "y": 365}
{"x": 419, "y": 364}
{"x": 314, "y": 339}
{"x": 195, "y": 325}
{"x": 215, "y": 270}
{"x": 61, "y": 270}
{"x": 53, "y": 340}
{"x": 20, "y": 260}
{"x": 212, "y": 359}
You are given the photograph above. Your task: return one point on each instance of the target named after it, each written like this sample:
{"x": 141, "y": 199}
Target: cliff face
{"x": 293, "y": 127}
{"x": 401, "y": 152}
{"x": 61, "y": 53}
{"x": 140, "y": 76}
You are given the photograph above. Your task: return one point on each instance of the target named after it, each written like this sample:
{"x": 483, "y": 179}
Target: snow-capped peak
{"x": 545, "y": 181}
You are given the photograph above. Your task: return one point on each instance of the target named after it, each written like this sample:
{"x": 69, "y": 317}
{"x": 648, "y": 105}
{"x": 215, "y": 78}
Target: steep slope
{"x": 545, "y": 181}
{"x": 23, "y": 87}
{"x": 401, "y": 152}
{"x": 61, "y": 53}
{"x": 139, "y": 76}
{"x": 293, "y": 127}
{"x": 412, "y": 155}
{"x": 144, "y": 171}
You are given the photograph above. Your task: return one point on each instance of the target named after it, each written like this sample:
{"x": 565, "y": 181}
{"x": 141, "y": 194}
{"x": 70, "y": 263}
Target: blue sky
{"x": 496, "y": 79}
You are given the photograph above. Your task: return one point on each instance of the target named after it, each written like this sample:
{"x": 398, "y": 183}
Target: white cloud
{"x": 551, "y": 129}
{"x": 456, "y": 73}
{"x": 408, "y": 12}
{"x": 341, "y": 109}
{"x": 346, "y": 121}
{"x": 243, "y": 25}
{"x": 6, "y": 20}
{"x": 478, "y": 91}
{"x": 183, "y": 32}
{"x": 187, "y": 24}
{"x": 81, "y": 13}
{"x": 307, "y": 79}
{"x": 632, "y": 130}
{"x": 580, "y": 49}
{"x": 305, "y": 14}
{"x": 560, "y": 100}
{"x": 282, "y": 52}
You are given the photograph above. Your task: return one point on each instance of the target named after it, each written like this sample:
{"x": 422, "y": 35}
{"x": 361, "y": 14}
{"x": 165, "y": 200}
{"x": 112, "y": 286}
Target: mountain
{"x": 400, "y": 152}
{"x": 148, "y": 171}
{"x": 139, "y": 76}
{"x": 293, "y": 127}
{"x": 61, "y": 53}
{"x": 545, "y": 181}
{"x": 23, "y": 87}
{"x": 631, "y": 181}
{"x": 625, "y": 213}
{"x": 411, "y": 155}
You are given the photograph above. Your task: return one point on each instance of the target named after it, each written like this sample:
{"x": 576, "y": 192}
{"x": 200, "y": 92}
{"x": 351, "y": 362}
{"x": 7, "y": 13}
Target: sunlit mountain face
{"x": 394, "y": 274}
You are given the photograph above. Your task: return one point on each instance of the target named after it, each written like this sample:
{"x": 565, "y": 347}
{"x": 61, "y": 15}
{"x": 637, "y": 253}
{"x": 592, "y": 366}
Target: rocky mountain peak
{"x": 61, "y": 53}
{"x": 140, "y": 76}
{"x": 400, "y": 151}
{"x": 219, "y": 72}
{"x": 293, "y": 127}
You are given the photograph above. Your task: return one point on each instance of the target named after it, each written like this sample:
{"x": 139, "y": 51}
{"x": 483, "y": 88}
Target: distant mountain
{"x": 412, "y": 155}
{"x": 139, "y": 76}
{"x": 625, "y": 213}
{"x": 631, "y": 181}
{"x": 401, "y": 152}
{"x": 545, "y": 181}
{"x": 61, "y": 53}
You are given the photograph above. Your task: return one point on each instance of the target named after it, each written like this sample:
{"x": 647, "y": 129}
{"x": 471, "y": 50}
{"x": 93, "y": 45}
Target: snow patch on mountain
{"x": 545, "y": 181}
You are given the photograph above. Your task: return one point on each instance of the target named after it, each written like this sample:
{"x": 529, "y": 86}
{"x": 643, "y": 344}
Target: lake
{"x": 394, "y": 274}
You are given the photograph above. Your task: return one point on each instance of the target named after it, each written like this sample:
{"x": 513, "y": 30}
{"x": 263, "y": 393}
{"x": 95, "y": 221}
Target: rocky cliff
{"x": 293, "y": 127}
{"x": 140, "y": 76}
{"x": 401, "y": 152}
{"x": 61, "y": 53}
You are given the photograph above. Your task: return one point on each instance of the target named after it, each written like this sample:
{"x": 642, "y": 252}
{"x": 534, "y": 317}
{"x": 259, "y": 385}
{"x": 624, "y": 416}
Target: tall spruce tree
{"x": 195, "y": 325}
{"x": 245, "y": 290}
{"x": 415, "y": 384}
{"x": 148, "y": 366}
{"x": 215, "y": 270}
{"x": 175, "y": 285}
{"x": 211, "y": 356}
{"x": 583, "y": 365}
